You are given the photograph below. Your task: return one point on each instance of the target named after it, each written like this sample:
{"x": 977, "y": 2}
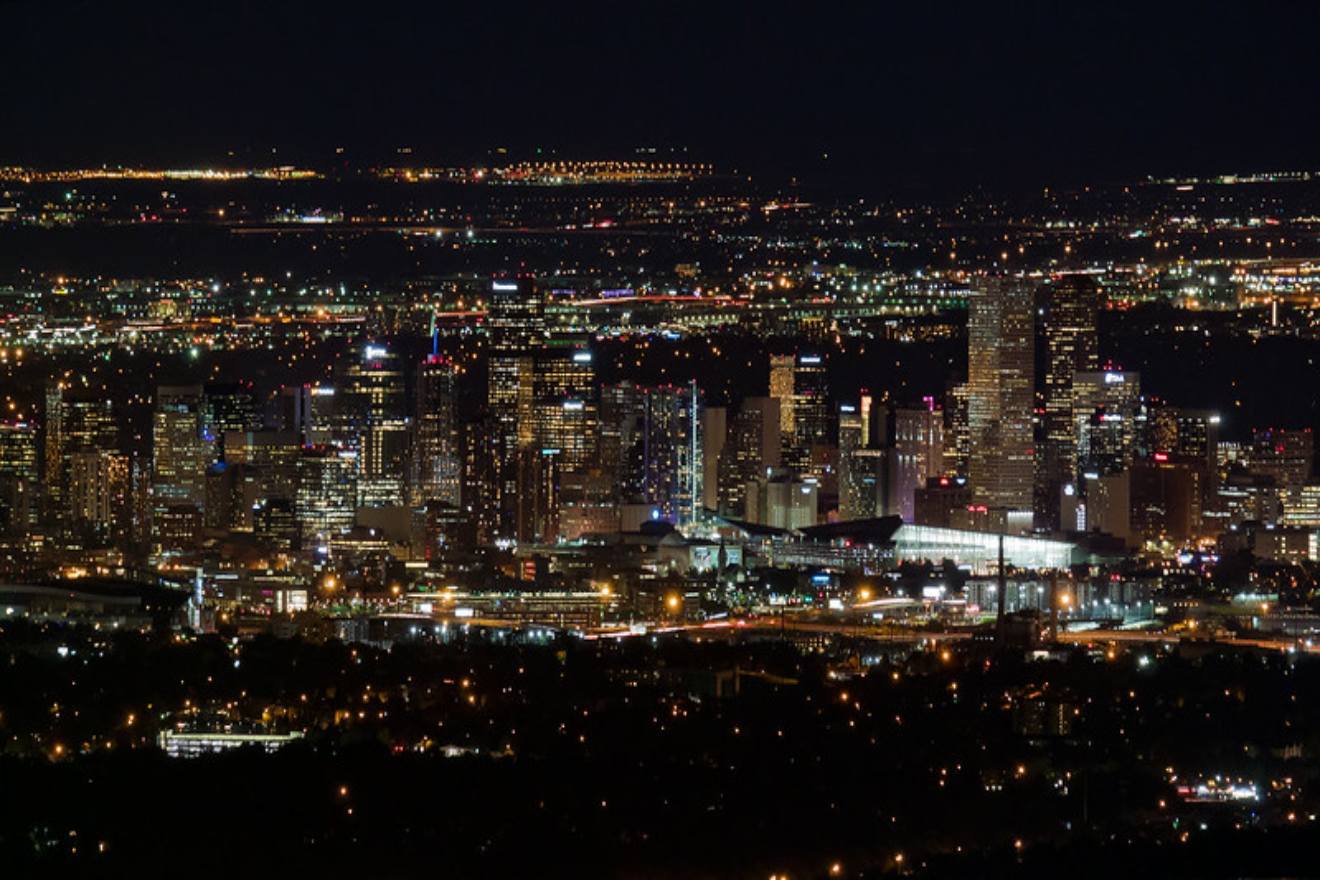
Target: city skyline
{"x": 672, "y": 440}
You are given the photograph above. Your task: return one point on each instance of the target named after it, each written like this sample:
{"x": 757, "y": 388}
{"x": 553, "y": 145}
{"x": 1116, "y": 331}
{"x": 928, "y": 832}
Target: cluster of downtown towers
{"x": 551, "y": 453}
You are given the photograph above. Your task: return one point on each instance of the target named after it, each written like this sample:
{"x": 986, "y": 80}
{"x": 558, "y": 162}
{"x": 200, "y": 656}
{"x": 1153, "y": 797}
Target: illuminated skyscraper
{"x": 1000, "y": 379}
{"x": 781, "y": 388}
{"x": 181, "y": 452}
{"x": 1285, "y": 455}
{"x": 857, "y": 473}
{"x": 565, "y": 408}
{"x": 436, "y": 449}
{"x": 370, "y": 403}
{"x": 811, "y": 400}
{"x": 327, "y": 492}
{"x": 229, "y": 407}
{"x": 98, "y": 494}
{"x": 52, "y": 458}
{"x": 76, "y": 419}
{"x": 539, "y": 475}
{"x": 481, "y": 491}
{"x": 19, "y": 478}
{"x": 267, "y": 463}
{"x": 957, "y": 430}
{"x": 515, "y": 328}
{"x": 673, "y": 469}
{"x": 309, "y": 410}
{"x": 1105, "y": 406}
{"x": 1071, "y": 347}
{"x": 622, "y": 449}
{"x": 801, "y": 385}
{"x": 752, "y": 447}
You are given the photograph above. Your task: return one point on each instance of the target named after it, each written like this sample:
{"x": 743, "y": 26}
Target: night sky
{"x": 889, "y": 92}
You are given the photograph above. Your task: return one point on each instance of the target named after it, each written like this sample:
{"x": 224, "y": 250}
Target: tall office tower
{"x": 515, "y": 329}
{"x": 275, "y": 525}
{"x": 292, "y": 410}
{"x": 98, "y": 497}
{"x": 672, "y": 469}
{"x": 370, "y": 404}
{"x": 1105, "y": 407}
{"x": 811, "y": 402}
{"x": 1156, "y": 428}
{"x": 801, "y": 385}
{"x": 957, "y": 430}
{"x": 856, "y": 491}
{"x": 226, "y": 496}
{"x": 714, "y": 433}
{"x": 52, "y": 452}
{"x": 1071, "y": 346}
{"x": 752, "y": 447}
{"x": 180, "y": 450}
{"x": 1177, "y": 432}
{"x": 436, "y": 447}
{"x": 20, "y": 478}
{"x": 539, "y": 473}
{"x": 1171, "y": 433}
{"x": 864, "y": 410}
{"x": 1198, "y": 438}
{"x": 229, "y": 407}
{"x": 565, "y": 409}
{"x": 76, "y": 420}
{"x": 1285, "y": 455}
{"x": 268, "y": 466}
{"x": 1000, "y": 380}
{"x": 1165, "y": 499}
{"x": 781, "y": 389}
{"x": 914, "y": 452}
{"x": 139, "y": 491}
{"x": 622, "y": 419}
{"x": 481, "y": 491}
{"x": 327, "y": 492}
{"x": 308, "y": 410}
